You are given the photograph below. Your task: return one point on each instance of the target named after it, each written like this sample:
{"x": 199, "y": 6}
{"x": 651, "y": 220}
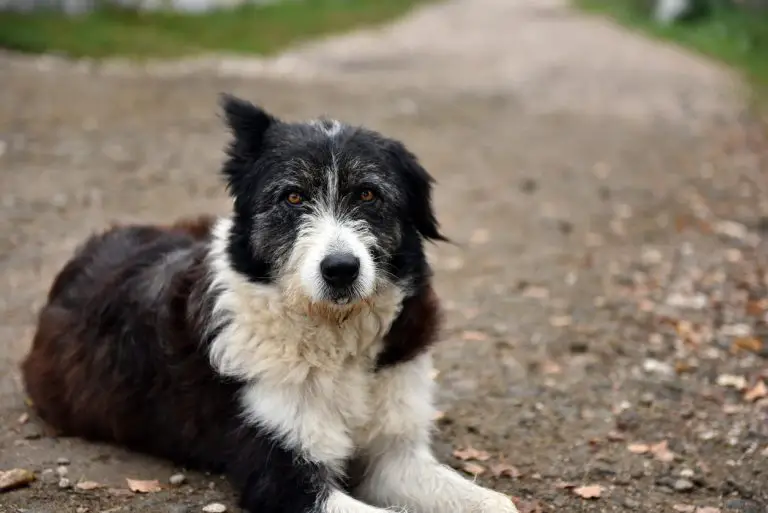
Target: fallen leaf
{"x": 729, "y": 380}
{"x": 15, "y": 478}
{"x": 527, "y": 506}
{"x": 474, "y": 469}
{"x": 747, "y": 344}
{"x": 139, "y": 486}
{"x": 589, "y": 491}
{"x": 480, "y": 236}
{"x": 661, "y": 452}
{"x": 536, "y": 292}
{"x": 757, "y": 392}
{"x": 470, "y": 453}
{"x": 88, "y": 485}
{"x": 638, "y": 448}
{"x": 474, "y": 336}
{"x": 560, "y": 321}
{"x": 683, "y": 367}
{"x": 756, "y": 308}
{"x": 549, "y": 367}
{"x": 505, "y": 470}
{"x": 684, "y": 508}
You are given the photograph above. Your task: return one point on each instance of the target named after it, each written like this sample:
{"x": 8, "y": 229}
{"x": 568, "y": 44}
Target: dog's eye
{"x": 294, "y": 198}
{"x": 367, "y": 195}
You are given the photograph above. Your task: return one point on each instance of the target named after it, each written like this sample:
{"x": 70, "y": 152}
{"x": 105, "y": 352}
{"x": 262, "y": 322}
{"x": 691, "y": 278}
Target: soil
{"x": 606, "y": 293}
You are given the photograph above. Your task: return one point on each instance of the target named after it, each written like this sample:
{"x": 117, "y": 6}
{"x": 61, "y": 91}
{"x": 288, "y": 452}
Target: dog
{"x": 287, "y": 345}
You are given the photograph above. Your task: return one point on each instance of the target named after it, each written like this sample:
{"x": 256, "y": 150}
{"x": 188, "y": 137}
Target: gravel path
{"x": 607, "y": 327}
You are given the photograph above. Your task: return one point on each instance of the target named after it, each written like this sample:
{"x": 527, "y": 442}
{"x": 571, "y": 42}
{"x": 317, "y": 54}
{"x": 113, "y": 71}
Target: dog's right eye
{"x": 294, "y": 199}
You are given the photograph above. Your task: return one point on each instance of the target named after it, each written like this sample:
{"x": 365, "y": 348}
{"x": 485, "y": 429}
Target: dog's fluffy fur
{"x": 240, "y": 345}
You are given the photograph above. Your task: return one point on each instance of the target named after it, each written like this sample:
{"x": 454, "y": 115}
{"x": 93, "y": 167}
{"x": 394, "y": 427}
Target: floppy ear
{"x": 418, "y": 183}
{"x": 248, "y": 124}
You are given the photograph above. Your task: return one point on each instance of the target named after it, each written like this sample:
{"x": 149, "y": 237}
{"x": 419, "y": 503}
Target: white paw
{"x": 494, "y": 502}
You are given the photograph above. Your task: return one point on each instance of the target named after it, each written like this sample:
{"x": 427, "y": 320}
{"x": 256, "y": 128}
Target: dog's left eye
{"x": 367, "y": 195}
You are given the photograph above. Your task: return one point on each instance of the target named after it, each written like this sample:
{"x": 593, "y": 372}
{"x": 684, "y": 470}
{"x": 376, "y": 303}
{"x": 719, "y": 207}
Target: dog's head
{"x": 330, "y": 213}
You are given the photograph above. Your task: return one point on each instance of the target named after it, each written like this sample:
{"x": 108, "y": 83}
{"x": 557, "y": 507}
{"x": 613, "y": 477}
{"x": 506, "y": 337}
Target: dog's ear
{"x": 247, "y": 122}
{"x": 418, "y": 184}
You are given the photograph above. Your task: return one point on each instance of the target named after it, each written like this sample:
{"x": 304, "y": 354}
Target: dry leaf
{"x": 474, "y": 469}
{"x": 138, "y": 486}
{"x": 684, "y": 508}
{"x": 474, "y": 336}
{"x": 615, "y": 436}
{"x": 756, "y": 308}
{"x": 470, "y": 453}
{"x": 560, "y": 321}
{"x": 589, "y": 491}
{"x": 536, "y": 292}
{"x": 757, "y": 392}
{"x": 549, "y": 367}
{"x": 527, "y": 506}
{"x": 638, "y": 448}
{"x": 729, "y": 380}
{"x": 88, "y": 485}
{"x": 747, "y": 344}
{"x": 505, "y": 470}
{"x": 15, "y": 478}
{"x": 661, "y": 452}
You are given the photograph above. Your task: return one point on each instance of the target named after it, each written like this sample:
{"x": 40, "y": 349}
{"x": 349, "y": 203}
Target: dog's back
{"x": 118, "y": 309}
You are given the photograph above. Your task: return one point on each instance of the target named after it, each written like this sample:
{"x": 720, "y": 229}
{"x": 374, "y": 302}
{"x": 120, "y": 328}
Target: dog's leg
{"x": 291, "y": 453}
{"x": 400, "y": 468}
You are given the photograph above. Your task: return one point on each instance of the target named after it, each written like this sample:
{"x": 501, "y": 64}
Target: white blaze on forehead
{"x": 329, "y": 127}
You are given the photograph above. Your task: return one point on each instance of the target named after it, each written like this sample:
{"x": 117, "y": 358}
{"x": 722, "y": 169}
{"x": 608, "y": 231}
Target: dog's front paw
{"x": 494, "y": 502}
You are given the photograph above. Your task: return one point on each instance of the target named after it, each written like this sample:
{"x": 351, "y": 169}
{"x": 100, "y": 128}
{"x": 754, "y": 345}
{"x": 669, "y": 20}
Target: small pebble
{"x": 683, "y": 485}
{"x": 64, "y": 483}
{"x": 177, "y": 479}
{"x": 686, "y": 473}
{"x": 631, "y": 503}
{"x": 82, "y": 509}
{"x": 647, "y": 399}
{"x": 215, "y": 507}
{"x": 178, "y": 508}
{"x": 62, "y": 461}
{"x": 62, "y": 471}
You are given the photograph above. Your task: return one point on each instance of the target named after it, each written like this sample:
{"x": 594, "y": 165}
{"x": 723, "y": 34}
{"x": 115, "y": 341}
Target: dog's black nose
{"x": 340, "y": 269}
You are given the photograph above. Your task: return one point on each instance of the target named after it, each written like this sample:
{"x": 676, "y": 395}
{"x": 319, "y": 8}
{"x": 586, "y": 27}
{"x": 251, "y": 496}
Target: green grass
{"x": 251, "y": 29}
{"x": 736, "y": 37}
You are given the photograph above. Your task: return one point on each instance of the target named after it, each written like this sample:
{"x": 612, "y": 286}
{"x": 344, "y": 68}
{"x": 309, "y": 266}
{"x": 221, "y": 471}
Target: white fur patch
{"x": 309, "y": 378}
{"x": 401, "y": 470}
{"x": 339, "y": 502}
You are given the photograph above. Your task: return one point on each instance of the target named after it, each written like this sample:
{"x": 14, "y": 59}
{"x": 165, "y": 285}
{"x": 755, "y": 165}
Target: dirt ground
{"x": 607, "y": 294}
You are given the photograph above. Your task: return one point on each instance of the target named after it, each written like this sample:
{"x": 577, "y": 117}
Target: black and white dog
{"x": 287, "y": 345}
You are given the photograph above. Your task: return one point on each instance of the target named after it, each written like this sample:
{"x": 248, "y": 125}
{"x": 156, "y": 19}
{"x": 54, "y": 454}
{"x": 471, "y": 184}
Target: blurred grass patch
{"x": 249, "y": 29}
{"x": 733, "y": 35}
